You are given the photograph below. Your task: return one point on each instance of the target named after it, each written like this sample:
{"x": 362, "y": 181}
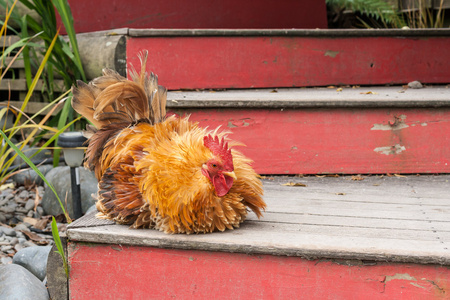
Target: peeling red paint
{"x": 337, "y": 140}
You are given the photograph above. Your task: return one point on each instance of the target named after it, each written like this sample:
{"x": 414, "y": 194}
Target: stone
{"x": 16, "y": 282}
{"x": 6, "y": 260}
{"x": 91, "y": 209}
{"x": 8, "y": 209}
{"x": 30, "y": 176}
{"x": 44, "y": 154}
{"x": 30, "y": 204}
{"x": 21, "y": 227}
{"x": 34, "y": 259}
{"x": 415, "y": 85}
{"x": 8, "y": 231}
{"x": 59, "y": 177}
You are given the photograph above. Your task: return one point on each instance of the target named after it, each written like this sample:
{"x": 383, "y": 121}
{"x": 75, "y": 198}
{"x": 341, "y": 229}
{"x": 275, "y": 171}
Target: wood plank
{"x": 189, "y": 32}
{"x": 399, "y": 234}
{"x": 20, "y": 84}
{"x": 375, "y": 96}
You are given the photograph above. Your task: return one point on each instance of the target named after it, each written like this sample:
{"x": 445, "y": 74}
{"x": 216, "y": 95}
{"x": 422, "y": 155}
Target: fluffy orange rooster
{"x": 158, "y": 172}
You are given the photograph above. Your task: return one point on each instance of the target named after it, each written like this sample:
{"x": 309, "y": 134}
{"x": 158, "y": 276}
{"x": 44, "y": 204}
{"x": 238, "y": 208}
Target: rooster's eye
{"x": 214, "y": 165}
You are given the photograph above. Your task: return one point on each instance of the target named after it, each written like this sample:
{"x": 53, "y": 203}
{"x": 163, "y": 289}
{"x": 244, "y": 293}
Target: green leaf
{"x": 66, "y": 17}
{"x": 59, "y": 245}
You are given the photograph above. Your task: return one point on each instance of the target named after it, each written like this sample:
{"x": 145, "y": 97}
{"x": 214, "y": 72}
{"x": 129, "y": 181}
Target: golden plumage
{"x": 157, "y": 172}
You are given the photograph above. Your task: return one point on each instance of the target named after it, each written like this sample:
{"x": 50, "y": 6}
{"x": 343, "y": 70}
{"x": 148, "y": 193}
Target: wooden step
{"x": 381, "y": 237}
{"x": 329, "y": 130}
{"x": 244, "y": 58}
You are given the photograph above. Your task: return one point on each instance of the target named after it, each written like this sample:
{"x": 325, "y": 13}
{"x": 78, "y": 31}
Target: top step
{"x": 217, "y": 59}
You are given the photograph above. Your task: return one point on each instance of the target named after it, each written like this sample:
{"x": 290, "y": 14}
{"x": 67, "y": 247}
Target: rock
{"x": 415, "y": 85}
{"x": 8, "y": 231}
{"x": 34, "y": 259}
{"x": 8, "y": 209}
{"x": 59, "y": 177}
{"x": 30, "y": 176}
{"x": 91, "y": 209}
{"x": 31, "y": 151}
{"x": 6, "y": 260}
{"x": 21, "y": 227}
{"x": 16, "y": 282}
{"x": 29, "y": 205}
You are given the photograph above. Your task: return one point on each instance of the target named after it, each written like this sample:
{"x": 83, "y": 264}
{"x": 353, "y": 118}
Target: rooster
{"x": 160, "y": 172}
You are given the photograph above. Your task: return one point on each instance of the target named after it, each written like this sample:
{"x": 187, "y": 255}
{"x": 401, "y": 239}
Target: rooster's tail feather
{"x": 112, "y": 98}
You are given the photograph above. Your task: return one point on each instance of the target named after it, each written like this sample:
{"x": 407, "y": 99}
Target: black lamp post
{"x": 73, "y": 155}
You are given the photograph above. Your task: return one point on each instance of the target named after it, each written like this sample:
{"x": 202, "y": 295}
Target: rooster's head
{"x": 219, "y": 169}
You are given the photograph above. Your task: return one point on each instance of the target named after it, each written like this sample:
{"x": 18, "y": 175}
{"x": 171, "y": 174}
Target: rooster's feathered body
{"x": 158, "y": 172}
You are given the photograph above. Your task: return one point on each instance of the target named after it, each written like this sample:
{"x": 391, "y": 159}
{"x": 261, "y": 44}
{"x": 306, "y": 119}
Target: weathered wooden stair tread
{"x": 374, "y": 96}
{"x": 398, "y": 219}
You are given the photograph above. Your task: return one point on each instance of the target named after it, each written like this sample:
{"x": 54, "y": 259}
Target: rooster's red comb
{"x": 220, "y": 148}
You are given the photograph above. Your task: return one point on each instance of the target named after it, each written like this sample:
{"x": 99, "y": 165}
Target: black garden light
{"x": 72, "y": 143}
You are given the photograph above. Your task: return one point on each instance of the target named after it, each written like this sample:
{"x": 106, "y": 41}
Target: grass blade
{"x": 59, "y": 245}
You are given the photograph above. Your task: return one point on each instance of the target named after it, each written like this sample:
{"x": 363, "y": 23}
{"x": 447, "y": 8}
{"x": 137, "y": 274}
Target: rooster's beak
{"x": 230, "y": 174}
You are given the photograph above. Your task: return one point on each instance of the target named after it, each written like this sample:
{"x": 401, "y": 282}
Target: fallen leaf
{"x": 331, "y": 87}
{"x": 321, "y": 176}
{"x": 369, "y": 93}
{"x": 31, "y": 221}
{"x": 398, "y": 175}
{"x": 341, "y": 194}
{"x": 274, "y": 91}
{"x": 6, "y": 186}
{"x": 37, "y": 199}
{"x": 294, "y": 184}
{"x": 357, "y": 177}
{"x": 339, "y": 89}
{"x": 41, "y": 224}
{"x": 34, "y": 237}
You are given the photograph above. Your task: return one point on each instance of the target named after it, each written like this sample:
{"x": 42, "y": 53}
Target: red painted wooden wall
{"x": 349, "y": 141}
{"x": 109, "y": 14}
{"x": 100, "y": 271}
{"x": 292, "y": 61}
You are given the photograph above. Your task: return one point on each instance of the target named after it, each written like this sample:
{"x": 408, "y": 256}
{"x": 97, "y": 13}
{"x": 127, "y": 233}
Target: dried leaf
{"x": 274, "y": 91}
{"x": 294, "y": 184}
{"x": 35, "y": 238}
{"x": 339, "y": 89}
{"x": 6, "y": 186}
{"x": 31, "y": 221}
{"x": 398, "y": 175}
{"x": 41, "y": 224}
{"x": 357, "y": 177}
{"x": 37, "y": 199}
{"x": 341, "y": 194}
{"x": 369, "y": 93}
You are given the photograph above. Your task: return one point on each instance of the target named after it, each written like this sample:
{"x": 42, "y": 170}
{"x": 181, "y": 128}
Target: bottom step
{"x": 374, "y": 237}
{"x": 329, "y": 130}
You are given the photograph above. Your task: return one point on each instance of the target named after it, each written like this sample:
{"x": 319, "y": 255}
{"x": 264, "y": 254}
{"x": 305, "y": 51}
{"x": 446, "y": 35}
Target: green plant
{"x": 55, "y": 231}
{"x": 64, "y": 61}
{"x": 378, "y": 10}
{"x": 59, "y": 246}
{"x": 420, "y": 14}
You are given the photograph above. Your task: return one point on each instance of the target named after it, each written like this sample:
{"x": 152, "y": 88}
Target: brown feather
{"x": 149, "y": 167}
